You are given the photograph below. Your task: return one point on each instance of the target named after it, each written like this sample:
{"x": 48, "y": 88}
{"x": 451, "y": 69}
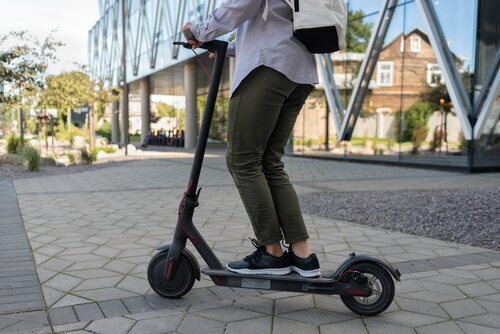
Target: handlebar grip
{"x": 213, "y": 46}
{"x": 185, "y": 45}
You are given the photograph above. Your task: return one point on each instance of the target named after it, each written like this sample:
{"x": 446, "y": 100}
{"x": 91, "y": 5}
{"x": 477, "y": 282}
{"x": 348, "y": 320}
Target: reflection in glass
{"x": 488, "y": 146}
{"x": 407, "y": 113}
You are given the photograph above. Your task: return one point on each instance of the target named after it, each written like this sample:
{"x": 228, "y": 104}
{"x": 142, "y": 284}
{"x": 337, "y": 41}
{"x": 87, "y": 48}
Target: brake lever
{"x": 185, "y": 45}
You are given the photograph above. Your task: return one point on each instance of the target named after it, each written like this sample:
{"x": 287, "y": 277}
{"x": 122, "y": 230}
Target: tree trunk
{"x": 68, "y": 120}
{"x": 92, "y": 125}
{"x": 40, "y": 134}
{"x": 21, "y": 123}
{"x": 47, "y": 138}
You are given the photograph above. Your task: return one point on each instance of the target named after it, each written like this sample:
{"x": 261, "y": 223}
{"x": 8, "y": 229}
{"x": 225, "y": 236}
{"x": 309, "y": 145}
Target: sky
{"x": 72, "y": 19}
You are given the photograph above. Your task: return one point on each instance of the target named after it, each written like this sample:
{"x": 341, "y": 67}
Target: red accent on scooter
{"x": 357, "y": 292}
{"x": 216, "y": 279}
{"x": 193, "y": 239}
{"x": 345, "y": 273}
{"x": 169, "y": 269}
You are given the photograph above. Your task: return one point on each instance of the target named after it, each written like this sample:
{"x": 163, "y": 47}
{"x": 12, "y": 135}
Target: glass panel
{"x": 315, "y": 124}
{"x": 407, "y": 113}
{"x": 460, "y": 37}
{"x": 134, "y": 5}
{"x": 377, "y": 129}
{"x": 310, "y": 129}
{"x": 487, "y": 40}
{"x": 488, "y": 147}
{"x": 430, "y": 126}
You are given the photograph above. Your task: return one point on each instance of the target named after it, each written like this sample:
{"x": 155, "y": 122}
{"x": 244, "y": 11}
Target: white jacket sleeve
{"x": 224, "y": 19}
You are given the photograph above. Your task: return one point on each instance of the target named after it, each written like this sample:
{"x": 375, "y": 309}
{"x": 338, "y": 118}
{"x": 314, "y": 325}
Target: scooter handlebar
{"x": 212, "y": 46}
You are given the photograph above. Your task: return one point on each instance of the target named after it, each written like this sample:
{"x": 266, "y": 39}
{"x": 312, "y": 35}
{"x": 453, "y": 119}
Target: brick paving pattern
{"x": 21, "y": 299}
{"x": 93, "y": 233}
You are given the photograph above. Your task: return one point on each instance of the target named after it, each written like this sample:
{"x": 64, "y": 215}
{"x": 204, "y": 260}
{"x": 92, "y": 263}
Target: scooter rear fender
{"x": 353, "y": 258}
{"x": 190, "y": 255}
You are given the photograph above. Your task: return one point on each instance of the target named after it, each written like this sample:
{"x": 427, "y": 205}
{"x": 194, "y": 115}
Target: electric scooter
{"x": 365, "y": 283}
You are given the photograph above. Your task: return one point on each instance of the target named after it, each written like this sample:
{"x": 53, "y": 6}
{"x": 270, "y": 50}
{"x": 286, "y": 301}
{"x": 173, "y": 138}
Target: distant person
{"x": 273, "y": 77}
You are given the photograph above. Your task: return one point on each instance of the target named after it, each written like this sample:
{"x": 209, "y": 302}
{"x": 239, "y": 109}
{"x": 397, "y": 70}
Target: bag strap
{"x": 266, "y": 8}
{"x": 266, "y": 11}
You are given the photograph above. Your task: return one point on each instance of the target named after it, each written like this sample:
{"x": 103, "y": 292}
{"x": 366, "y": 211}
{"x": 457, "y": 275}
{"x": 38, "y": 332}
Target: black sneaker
{"x": 308, "y": 267}
{"x": 261, "y": 263}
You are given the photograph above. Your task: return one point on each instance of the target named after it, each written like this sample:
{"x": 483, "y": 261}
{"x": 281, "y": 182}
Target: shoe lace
{"x": 255, "y": 256}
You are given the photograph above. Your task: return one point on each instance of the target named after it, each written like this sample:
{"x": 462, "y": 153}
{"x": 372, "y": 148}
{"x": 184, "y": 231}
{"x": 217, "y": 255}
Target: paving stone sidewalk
{"x": 93, "y": 233}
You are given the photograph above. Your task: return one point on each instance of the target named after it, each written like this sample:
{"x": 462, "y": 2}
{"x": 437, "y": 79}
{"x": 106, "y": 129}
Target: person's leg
{"x": 285, "y": 198}
{"x": 254, "y": 111}
{"x": 283, "y": 193}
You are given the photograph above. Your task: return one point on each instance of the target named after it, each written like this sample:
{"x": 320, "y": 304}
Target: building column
{"x": 145, "y": 109}
{"x": 124, "y": 135}
{"x": 190, "y": 87}
{"x": 115, "y": 119}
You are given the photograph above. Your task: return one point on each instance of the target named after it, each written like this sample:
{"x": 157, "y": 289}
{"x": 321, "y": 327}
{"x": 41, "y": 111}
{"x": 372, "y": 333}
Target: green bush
{"x": 15, "y": 144}
{"x": 106, "y": 149}
{"x": 417, "y": 117}
{"x": 30, "y": 158}
{"x": 105, "y": 131}
{"x": 72, "y": 158}
{"x": 88, "y": 157}
{"x": 63, "y": 133}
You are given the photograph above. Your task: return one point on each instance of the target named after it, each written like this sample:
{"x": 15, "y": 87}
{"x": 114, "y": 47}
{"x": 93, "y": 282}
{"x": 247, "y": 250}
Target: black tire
{"x": 180, "y": 284}
{"x": 382, "y": 286}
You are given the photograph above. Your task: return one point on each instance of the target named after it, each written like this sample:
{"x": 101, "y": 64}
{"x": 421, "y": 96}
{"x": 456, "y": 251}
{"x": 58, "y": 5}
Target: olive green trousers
{"x": 262, "y": 114}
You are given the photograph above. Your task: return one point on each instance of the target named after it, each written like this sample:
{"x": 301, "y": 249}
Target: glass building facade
{"x": 431, "y": 90}
{"x": 407, "y": 115}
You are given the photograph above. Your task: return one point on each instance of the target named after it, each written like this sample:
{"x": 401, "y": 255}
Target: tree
{"x": 68, "y": 91}
{"x": 165, "y": 110}
{"x": 101, "y": 96}
{"x": 416, "y": 119}
{"x": 23, "y": 69}
{"x": 358, "y": 33}
{"x": 434, "y": 95}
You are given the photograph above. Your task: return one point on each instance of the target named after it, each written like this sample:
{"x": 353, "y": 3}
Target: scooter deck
{"x": 294, "y": 277}
{"x": 291, "y": 282}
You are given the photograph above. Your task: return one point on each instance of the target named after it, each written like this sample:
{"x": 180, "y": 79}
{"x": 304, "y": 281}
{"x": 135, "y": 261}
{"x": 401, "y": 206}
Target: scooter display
{"x": 365, "y": 283}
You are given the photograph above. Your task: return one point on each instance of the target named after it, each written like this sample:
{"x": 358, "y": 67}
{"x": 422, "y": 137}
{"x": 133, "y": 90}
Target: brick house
{"x": 396, "y": 84}
{"x": 396, "y": 87}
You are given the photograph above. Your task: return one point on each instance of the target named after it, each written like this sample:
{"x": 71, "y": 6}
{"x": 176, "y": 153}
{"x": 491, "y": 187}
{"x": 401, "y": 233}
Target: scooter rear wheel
{"x": 179, "y": 285}
{"x": 382, "y": 286}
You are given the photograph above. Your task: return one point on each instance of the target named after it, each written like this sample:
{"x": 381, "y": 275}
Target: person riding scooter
{"x": 274, "y": 75}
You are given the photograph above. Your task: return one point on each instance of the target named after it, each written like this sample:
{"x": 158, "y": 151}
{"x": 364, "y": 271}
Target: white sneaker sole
{"x": 267, "y": 271}
{"x": 306, "y": 273}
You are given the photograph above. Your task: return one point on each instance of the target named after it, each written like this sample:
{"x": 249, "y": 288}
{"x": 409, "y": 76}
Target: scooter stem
{"x": 220, "y": 49}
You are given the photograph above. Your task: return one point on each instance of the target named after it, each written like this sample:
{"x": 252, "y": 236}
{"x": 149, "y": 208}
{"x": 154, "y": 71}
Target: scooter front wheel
{"x": 382, "y": 285}
{"x": 179, "y": 285}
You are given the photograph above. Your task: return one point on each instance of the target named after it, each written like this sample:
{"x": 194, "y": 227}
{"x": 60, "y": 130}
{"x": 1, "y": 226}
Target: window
{"x": 434, "y": 75}
{"x": 415, "y": 43}
{"x": 385, "y": 73}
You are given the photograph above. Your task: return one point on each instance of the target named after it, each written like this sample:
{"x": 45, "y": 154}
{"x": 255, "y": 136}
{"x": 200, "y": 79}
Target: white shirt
{"x": 258, "y": 42}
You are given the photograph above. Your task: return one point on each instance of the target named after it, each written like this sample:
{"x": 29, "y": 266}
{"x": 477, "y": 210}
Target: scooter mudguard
{"x": 190, "y": 256}
{"x": 353, "y": 258}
